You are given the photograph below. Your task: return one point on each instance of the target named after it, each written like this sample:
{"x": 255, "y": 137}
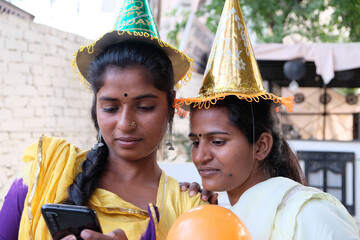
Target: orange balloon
{"x": 209, "y": 222}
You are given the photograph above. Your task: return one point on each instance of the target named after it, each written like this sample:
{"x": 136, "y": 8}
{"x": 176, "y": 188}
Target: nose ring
{"x": 206, "y": 158}
{"x": 132, "y": 124}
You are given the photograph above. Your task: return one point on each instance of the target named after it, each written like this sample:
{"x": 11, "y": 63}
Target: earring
{"x": 170, "y": 145}
{"x": 99, "y": 143}
{"x": 169, "y": 142}
{"x": 132, "y": 124}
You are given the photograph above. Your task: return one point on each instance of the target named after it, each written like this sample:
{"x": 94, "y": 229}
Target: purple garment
{"x": 10, "y": 214}
{"x": 150, "y": 233}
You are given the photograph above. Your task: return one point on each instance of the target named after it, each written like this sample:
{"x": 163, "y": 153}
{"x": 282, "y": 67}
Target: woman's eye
{"x": 110, "y": 109}
{"x": 146, "y": 108}
{"x": 195, "y": 144}
{"x": 219, "y": 142}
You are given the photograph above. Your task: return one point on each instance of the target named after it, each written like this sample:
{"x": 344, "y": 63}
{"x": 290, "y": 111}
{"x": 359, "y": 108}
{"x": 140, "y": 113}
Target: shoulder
{"x": 320, "y": 218}
{"x": 173, "y": 189}
{"x": 313, "y": 214}
{"x": 50, "y": 148}
{"x": 181, "y": 198}
{"x": 51, "y": 159}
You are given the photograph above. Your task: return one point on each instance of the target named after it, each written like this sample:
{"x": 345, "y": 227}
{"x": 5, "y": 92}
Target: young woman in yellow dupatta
{"x": 132, "y": 75}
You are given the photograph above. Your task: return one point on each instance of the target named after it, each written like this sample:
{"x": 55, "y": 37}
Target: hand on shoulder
{"x": 194, "y": 188}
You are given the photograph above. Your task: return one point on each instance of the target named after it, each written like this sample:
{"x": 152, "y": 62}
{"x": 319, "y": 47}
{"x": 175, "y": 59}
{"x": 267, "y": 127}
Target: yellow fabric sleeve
{"x": 51, "y": 165}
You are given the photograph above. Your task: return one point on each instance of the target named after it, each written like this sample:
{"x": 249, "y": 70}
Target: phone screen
{"x": 63, "y": 219}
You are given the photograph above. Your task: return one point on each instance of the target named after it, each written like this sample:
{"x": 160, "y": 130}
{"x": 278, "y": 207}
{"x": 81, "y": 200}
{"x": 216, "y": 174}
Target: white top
{"x": 280, "y": 208}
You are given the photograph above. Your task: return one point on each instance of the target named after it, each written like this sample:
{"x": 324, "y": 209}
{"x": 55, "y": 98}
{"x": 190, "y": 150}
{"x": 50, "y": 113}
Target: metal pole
{"x": 155, "y": 6}
{"x": 324, "y": 113}
{"x": 159, "y": 13}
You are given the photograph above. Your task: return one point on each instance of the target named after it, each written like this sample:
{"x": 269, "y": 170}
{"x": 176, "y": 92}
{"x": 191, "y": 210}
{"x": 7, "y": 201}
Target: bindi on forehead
{"x": 194, "y": 135}
{"x": 125, "y": 94}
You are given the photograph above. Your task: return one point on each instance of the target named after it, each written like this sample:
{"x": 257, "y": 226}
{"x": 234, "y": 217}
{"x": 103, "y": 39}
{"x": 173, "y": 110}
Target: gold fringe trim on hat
{"x": 185, "y": 79}
{"x": 90, "y": 48}
{"x": 78, "y": 75}
{"x": 206, "y": 102}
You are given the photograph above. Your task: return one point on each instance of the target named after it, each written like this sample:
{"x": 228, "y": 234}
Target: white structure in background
{"x": 92, "y": 18}
{"x": 87, "y": 18}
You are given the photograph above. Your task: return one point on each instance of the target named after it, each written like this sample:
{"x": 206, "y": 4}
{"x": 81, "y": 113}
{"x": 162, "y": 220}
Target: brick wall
{"x": 38, "y": 92}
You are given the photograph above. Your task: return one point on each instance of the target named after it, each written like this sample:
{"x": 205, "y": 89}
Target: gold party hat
{"x": 232, "y": 68}
{"x": 135, "y": 23}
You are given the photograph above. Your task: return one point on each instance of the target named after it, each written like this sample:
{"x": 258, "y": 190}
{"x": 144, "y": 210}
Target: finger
{"x": 92, "y": 235}
{"x": 205, "y": 195}
{"x": 117, "y": 234}
{"x": 214, "y": 199}
{"x": 69, "y": 237}
{"x": 194, "y": 189}
{"x": 184, "y": 186}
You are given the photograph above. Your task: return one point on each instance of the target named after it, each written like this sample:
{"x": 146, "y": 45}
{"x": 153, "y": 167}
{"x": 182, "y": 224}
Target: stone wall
{"x": 38, "y": 92}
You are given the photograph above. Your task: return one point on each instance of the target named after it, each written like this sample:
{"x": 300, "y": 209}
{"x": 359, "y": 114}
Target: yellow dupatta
{"x": 52, "y": 164}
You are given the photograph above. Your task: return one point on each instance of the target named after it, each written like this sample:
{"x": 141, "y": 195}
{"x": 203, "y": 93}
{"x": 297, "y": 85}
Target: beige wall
{"x": 38, "y": 92}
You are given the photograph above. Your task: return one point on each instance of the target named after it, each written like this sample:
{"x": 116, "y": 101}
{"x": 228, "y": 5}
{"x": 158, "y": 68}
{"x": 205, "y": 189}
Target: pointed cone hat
{"x": 232, "y": 68}
{"x": 135, "y": 23}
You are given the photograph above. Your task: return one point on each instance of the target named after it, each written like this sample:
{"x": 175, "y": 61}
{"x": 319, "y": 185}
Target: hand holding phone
{"x": 63, "y": 220}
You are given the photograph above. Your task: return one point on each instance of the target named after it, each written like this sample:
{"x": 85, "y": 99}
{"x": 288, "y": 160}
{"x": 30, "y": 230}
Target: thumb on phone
{"x": 69, "y": 237}
{"x": 117, "y": 234}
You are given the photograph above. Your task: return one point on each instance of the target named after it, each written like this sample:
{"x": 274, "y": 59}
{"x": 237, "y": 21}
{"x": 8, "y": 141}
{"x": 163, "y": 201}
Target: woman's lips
{"x": 128, "y": 142}
{"x": 208, "y": 172}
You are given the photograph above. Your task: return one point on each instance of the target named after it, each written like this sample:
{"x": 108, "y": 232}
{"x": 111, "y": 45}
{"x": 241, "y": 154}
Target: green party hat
{"x": 135, "y": 23}
{"x": 136, "y": 16}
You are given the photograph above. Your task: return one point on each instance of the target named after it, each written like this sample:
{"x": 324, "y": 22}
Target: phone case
{"x": 63, "y": 219}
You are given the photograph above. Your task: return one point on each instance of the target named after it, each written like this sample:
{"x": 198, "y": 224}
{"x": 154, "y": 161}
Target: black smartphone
{"x": 63, "y": 219}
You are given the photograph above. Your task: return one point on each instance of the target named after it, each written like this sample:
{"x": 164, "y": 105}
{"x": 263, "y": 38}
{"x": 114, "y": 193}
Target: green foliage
{"x": 212, "y": 12}
{"x": 347, "y": 91}
{"x": 272, "y": 20}
{"x": 173, "y": 35}
{"x": 346, "y": 15}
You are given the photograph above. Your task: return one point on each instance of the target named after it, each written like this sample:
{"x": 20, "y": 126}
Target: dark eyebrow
{"x": 136, "y": 98}
{"x": 208, "y": 134}
{"x": 146, "y": 96}
{"x": 108, "y": 99}
{"x": 215, "y": 133}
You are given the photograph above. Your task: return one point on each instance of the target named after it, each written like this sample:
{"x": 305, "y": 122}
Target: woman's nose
{"x": 126, "y": 121}
{"x": 200, "y": 154}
